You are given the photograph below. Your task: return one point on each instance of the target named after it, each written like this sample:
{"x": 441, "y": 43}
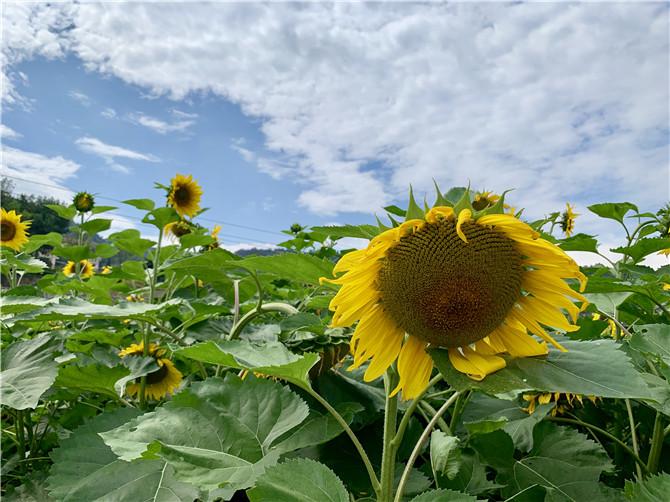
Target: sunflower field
{"x": 460, "y": 355}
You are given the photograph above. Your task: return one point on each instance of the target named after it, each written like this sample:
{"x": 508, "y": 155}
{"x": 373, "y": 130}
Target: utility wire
{"x": 246, "y": 227}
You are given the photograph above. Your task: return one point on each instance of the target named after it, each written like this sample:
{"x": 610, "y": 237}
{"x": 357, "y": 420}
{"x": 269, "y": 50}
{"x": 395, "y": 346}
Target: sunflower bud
{"x": 83, "y": 202}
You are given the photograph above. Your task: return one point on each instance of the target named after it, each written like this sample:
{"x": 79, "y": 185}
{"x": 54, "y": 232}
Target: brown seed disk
{"x": 448, "y": 292}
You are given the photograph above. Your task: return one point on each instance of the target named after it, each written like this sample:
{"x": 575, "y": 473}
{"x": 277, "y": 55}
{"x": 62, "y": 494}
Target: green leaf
{"x": 272, "y": 359}
{"x": 338, "y": 232}
{"x": 85, "y": 469}
{"x": 130, "y": 240}
{"x": 211, "y": 265}
{"x": 652, "y": 339}
{"x": 136, "y": 367}
{"x": 96, "y": 225}
{"x": 217, "y": 433}
{"x": 301, "y": 480}
{"x": 160, "y": 217}
{"x": 301, "y": 268}
{"x": 444, "y": 454}
{"x": 644, "y": 247}
{"x": 608, "y": 302}
{"x": 102, "y": 209}
{"x": 471, "y": 477}
{"x": 652, "y": 489}
{"x": 398, "y": 211}
{"x": 92, "y": 378}
{"x": 27, "y": 370}
{"x": 37, "y": 241}
{"x": 17, "y": 304}
{"x": 26, "y": 264}
{"x": 579, "y": 242}
{"x": 73, "y": 253}
{"x": 105, "y": 250}
{"x": 562, "y": 460}
{"x": 194, "y": 240}
{"x": 596, "y": 368}
{"x": 613, "y": 210}
{"x": 444, "y": 496}
{"x": 64, "y": 212}
{"x": 142, "y": 204}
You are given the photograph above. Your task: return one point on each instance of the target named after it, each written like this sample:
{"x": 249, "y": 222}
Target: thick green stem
{"x": 389, "y": 450}
{"x": 633, "y": 435}
{"x": 20, "y": 434}
{"x": 152, "y": 293}
{"x": 359, "y": 447}
{"x": 657, "y": 439}
{"x": 419, "y": 445}
{"x": 623, "y": 446}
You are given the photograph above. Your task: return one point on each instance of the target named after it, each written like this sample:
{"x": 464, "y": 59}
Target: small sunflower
{"x": 567, "y": 221}
{"x": 612, "y": 328}
{"x": 165, "y": 380}
{"x": 13, "y": 231}
{"x": 178, "y": 228}
{"x": 184, "y": 195}
{"x": 106, "y": 270}
{"x": 85, "y": 269}
{"x": 134, "y": 298}
{"x": 474, "y": 282}
{"x": 215, "y": 236}
{"x": 564, "y": 401}
{"x": 83, "y": 202}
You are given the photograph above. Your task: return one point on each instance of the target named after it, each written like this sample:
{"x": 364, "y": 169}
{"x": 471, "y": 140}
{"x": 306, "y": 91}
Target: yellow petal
{"x": 414, "y": 368}
{"x": 439, "y": 212}
{"x": 463, "y": 216}
{"x": 475, "y": 365}
{"x": 519, "y": 343}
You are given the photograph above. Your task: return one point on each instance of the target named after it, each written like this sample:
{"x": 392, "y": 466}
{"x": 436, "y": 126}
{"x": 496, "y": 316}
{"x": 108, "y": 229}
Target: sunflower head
{"x": 84, "y": 269}
{"x": 160, "y": 383}
{"x": 563, "y": 401}
{"x": 178, "y": 228}
{"x": 484, "y": 199}
{"x": 184, "y": 195}
{"x": 83, "y": 202}
{"x": 567, "y": 220}
{"x": 106, "y": 270}
{"x": 13, "y": 231}
{"x": 477, "y": 282}
{"x": 135, "y": 298}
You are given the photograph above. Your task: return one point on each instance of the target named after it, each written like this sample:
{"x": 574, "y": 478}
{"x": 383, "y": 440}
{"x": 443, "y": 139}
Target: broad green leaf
{"x": 338, "y": 232}
{"x": 210, "y": 266}
{"x": 194, "y": 240}
{"x": 652, "y": 489}
{"x": 652, "y": 339}
{"x": 301, "y": 480}
{"x": 17, "y": 304}
{"x": 660, "y": 390}
{"x": 579, "y": 242}
{"x": 27, "y": 370}
{"x": 96, "y": 225}
{"x": 73, "y": 253}
{"x": 130, "y": 240}
{"x": 105, "y": 250}
{"x": 471, "y": 477}
{"x": 495, "y": 448}
{"x": 142, "y": 204}
{"x": 562, "y": 460}
{"x": 160, "y": 217}
{"x": 643, "y": 247}
{"x": 608, "y": 302}
{"x": 445, "y": 455}
{"x": 445, "y": 496}
{"x": 74, "y": 308}
{"x": 596, "y": 368}
{"x": 217, "y": 433}
{"x": 301, "y": 268}
{"x": 23, "y": 263}
{"x": 86, "y": 469}
{"x": 92, "y": 378}
{"x": 271, "y": 359}
{"x": 613, "y": 210}
{"x": 102, "y": 209}
{"x": 37, "y": 241}
{"x": 65, "y": 212}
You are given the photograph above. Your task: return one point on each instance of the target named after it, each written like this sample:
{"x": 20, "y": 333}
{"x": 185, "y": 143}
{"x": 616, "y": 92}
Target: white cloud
{"x": 108, "y": 113}
{"x": 81, "y": 98}
{"x": 241, "y": 246}
{"x": 563, "y": 102}
{"x": 37, "y": 174}
{"x": 8, "y": 133}
{"x": 181, "y": 123}
{"x": 110, "y": 153}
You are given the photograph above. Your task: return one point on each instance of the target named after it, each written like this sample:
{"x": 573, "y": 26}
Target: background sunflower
{"x": 13, "y": 231}
{"x": 161, "y": 382}
{"x": 184, "y": 195}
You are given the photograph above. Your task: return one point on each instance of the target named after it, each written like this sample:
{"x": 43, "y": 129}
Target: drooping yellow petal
{"x": 519, "y": 343}
{"x": 475, "y": 365}
{"x": 463, "y": 216}
{"x": 414, "y": 368}
{"x": 439, "y": 212}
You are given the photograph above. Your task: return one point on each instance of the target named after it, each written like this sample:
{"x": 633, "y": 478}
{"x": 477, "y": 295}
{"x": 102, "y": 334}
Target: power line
{"x": 228, "y": 223}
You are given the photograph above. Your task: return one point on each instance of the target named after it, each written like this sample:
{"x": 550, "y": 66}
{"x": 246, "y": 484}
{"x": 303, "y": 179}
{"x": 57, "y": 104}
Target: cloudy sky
{"x": 324, "y": 113}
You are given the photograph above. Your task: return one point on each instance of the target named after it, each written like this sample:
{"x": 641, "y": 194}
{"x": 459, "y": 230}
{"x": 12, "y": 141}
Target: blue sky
{"x": 323, "y": 113}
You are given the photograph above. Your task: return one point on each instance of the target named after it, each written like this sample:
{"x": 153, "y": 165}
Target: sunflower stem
{"x": 152, "y": 293}
{"x": 20, "y": 434}
{"x": 633, "y": 435}
{"x": 257, "y": 311}
{"x": 389, "y": 449}
{"x": 404, "y": 422}
{"x": 656, "y": 445}
{"x": 420, "y": 444}
{"x": 441, "y": 423}
{"x": 374, "y": 480}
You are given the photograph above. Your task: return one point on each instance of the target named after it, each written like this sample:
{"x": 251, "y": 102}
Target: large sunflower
{"x": 567, "y": 221}
{"x": 184, "y": 195}
{"x": 86, "y": 269}
{"x": 12, "y": 230}
{"x": 165, "y": 380}
{"x": 474, "y": 282}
